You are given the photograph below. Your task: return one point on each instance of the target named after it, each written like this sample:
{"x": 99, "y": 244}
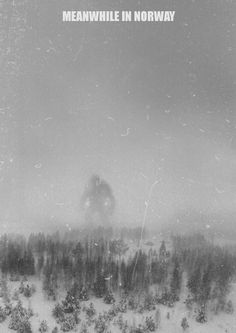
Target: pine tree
{"x": 149, "y": 302}
{"x": 58, "y": 312}
{"x": 21, "y": 288}
{"x": 175, "y": 283}
{"x": 206, "y": 284}
{"x": 150, "y": 324}
{"x": 189, "y": 302}
{"x": 29, "y": 263}
{"x": 162, "y": 250}
{"x": 8, "y": 309}
{"x": 112, "y": 312}
{"x": 70, "y": 303}
{"x": 109, "y": 298}
{"x": 100, "y": 286}
{"x": 83, "y": 294}
{"x": 27, "y": 291}
{"x": 100, "y": 325}
{"x": 2, "y": 315}
{"x": 184, "y": 324}
{"x": 229, "y": 307}
{"x": 201, "y": 316}
{"x": 68, "y": 323}
{"x": 122, "y": 306}
{"x": 120, "y": 322}
{"x": 18, "y": 315}
{"x": 90, "y": 311}
{"x": 24, "y": 326}
{"x": 194, "y": 282}
{"x": 43, "y": 327}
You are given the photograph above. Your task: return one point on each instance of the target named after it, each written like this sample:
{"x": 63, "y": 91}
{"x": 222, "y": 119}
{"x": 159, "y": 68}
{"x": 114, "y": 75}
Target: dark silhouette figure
{"x": 98, "y": 202}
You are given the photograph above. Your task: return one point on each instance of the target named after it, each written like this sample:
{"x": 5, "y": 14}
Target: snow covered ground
{"x": 42, "y": 308}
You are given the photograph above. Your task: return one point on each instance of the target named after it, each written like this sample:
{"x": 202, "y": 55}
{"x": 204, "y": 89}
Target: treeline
{"x": 98, "y": 265}
{"x": 210, "y": 269}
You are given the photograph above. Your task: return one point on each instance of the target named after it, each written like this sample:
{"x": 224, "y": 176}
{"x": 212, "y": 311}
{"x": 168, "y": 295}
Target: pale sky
{"x": 132, "y": 102}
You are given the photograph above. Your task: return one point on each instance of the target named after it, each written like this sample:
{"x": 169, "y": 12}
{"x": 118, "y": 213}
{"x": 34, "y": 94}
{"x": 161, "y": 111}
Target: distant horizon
{"x": 183, "y": 223}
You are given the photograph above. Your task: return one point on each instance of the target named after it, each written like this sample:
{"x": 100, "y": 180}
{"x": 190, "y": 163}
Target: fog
{"x": 135, "y": 103}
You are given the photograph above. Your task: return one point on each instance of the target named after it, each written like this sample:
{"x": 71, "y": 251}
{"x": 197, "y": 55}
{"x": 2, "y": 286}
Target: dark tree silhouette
{"x": 98, "y": 202}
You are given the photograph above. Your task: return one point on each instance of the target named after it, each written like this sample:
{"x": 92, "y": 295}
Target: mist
{"x": 136, "y": 104}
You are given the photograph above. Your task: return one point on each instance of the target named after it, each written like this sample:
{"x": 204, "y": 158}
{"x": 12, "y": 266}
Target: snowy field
{"x": 42, "y": 309}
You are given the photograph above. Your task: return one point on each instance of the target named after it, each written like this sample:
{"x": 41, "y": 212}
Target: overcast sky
{"x": 133, "y": 102}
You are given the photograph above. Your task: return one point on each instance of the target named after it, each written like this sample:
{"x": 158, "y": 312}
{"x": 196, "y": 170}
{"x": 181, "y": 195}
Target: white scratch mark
{"x": 127, "y": 132}
{"x": 38, "y": 166}
{"x": 108, "y": 278}
{"x": 111, "y": 118}
{"x": 144, "y": 176}
{"x": 219, "y": 191}
{"x": 147, "y": 202}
